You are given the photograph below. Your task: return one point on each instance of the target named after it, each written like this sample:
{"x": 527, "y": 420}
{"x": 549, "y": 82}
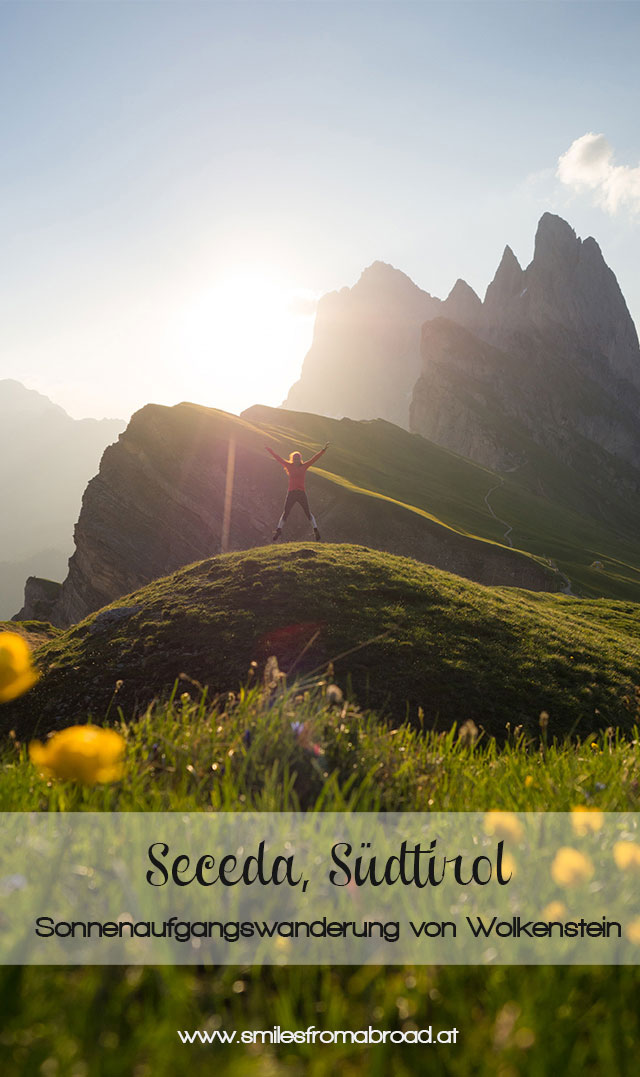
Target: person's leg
{"x": 288, "y": 505}
{"x": 304, "y": 501}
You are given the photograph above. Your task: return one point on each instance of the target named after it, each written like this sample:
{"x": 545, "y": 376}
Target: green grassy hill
{"x": 158, "y": 504}
{"x": 556, "y": 513}
{"x": 403, "y": 635}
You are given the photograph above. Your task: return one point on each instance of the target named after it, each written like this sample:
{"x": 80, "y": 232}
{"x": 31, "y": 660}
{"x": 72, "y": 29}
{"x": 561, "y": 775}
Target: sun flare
{"x": 245, "y": 335}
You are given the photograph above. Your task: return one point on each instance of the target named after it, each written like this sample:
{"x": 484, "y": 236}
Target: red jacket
{"x": 297, "y": 472}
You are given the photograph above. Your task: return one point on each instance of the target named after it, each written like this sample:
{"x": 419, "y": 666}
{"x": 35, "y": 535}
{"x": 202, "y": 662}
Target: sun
{"x": 242, "y": 339}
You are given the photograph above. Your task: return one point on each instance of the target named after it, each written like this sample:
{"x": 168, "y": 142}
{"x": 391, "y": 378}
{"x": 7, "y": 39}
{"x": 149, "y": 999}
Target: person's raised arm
{"x": 275, "y": 455}
{"x": 317, "y": 456}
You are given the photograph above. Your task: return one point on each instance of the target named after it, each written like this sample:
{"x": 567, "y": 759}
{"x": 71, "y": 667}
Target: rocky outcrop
{"x": 365, "y": 356}
{"x": 570, "y": 284}
{"x": 505, "y": 291}
{"x": 40, "y": 598}
{"x": 463, "y": 306}
{"x": 568, "y": 289}
{"x": 457, "y": 401}
{"x": 158, "y": 503}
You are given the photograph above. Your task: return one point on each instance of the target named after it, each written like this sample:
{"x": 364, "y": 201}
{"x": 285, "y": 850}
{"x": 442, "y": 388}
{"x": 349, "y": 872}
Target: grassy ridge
{"x": 407, "y": 638}
{"x": 556, "y": 512}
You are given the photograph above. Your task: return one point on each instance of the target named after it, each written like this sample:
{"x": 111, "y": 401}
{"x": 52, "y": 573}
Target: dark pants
{"x": 300, "y": 497}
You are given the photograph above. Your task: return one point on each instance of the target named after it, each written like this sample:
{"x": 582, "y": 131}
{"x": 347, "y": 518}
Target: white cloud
{"x": 588, "y": 165}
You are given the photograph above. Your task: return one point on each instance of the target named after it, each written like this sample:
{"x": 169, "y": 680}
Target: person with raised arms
{"x": 296, "y": 469}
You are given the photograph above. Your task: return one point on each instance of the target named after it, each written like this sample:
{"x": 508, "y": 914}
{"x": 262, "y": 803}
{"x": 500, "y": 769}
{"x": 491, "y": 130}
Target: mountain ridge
{"x": 550, "y": 356}
{"x": 157, "y": 503}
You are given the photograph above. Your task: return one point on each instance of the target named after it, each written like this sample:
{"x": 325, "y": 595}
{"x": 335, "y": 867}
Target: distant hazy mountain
{"x": 46, "y": 460}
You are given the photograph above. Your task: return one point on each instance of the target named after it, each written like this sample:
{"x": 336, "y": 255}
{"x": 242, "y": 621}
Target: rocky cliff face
{"x": 40, "y": 599}
{"x": 567, "y": 288}
{"x": 572, "y": 361}
{"x": 365, "y": 356}
{"x": 457, "y": 402}
{"x": 569, "y": 284}
{"x": 553, "y": 354}
{"x": 156, "y": 504}
{"x": 463, "y": 306}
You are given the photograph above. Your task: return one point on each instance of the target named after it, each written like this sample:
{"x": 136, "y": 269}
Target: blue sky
{"x": 174, "y": 176}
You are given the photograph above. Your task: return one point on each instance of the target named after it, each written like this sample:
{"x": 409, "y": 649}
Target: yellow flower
{"x": 82, "y": 753}
{"x": 504, "y": 824}
{"x": 627, "y": 855}
{"x": 633, "y": 930}
{"x": 571, "y": 867}
{"x": 528, "y": 782}
{"x": 16, "y": 672}
{"x": 586, "y": 820}
{"x": 555, "y": 910}
{"x": 509, "y": 866}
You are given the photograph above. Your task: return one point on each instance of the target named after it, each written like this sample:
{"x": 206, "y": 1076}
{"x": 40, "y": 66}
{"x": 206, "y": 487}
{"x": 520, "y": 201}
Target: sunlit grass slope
{"x": 406, "y": 638}
{"x": 555, "y": 512}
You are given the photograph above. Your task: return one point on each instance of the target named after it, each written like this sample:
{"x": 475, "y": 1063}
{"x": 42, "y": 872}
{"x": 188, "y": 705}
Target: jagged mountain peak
{"x": 462, "y": 304}
{"x": 462, "y": 290}
{"x": 508, "y": 282}
{"x": 570, "y": 286}
{"x": 556, "y": 242}
{"x": 381, "y": 277}
{"x": 552, "y": 225}
{"x": 509, "y": 266}
{"x": 559, "y": 250}
{"x": 378, "y": 269}
{"x": 567, "y": 302}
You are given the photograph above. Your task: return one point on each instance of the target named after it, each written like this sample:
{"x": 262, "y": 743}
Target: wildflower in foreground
{"x": 17, "y": 674}
{"x": 586, "y": 820}
{"x": 82, "y": 753}
{"x": 633, "y": 931}
{"x": 570, "y": 867}
{"x": 555, "y": 910}
{"x": 504, "y": 824}
{"x": 627, "y": 855}
{"x": 509, "y": 866}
